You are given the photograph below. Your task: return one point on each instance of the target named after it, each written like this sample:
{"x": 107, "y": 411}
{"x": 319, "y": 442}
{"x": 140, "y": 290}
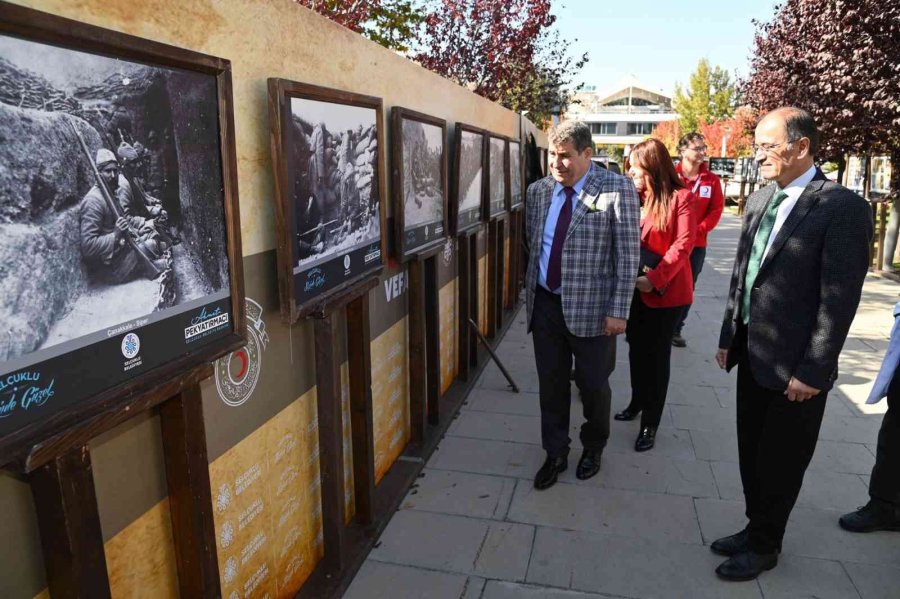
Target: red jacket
{"x": 708, "y": 201}
{"x": 674, "y": 245}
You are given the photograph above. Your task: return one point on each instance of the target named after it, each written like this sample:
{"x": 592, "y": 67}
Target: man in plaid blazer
{"x": 798, "y": 275}
{"x": 582, "y": 228}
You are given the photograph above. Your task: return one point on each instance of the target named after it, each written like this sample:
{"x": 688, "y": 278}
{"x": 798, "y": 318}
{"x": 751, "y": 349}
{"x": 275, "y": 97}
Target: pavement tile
{"x": 836, "y": 456}
{"x": 474, "y": 588}
{"x": 821, "y": 489}
{"x": 376, "y": 580}
{"x": 810, "y": 533}
{"x": 456, "y": 544}
{"x": 524, "y": 375}
{"x": 860, "y": 429}
{"x": 504, "y": 402}
{"x": 498, "y": 589}
{"x": 485, "y": 456}
{"x": 499, "y": 427}
{"x": 875, "y": 582}
{"x": 654, "y": 473}
{"x": 669, "y": 442}
{"x": 591, "y": 508}
{"x": 804, "y": 578}
{"x": 629, "y": 566}
{"x": 455, "y": 493}
{"x": 716, "y": 446}
{"x": 700, "y": 419}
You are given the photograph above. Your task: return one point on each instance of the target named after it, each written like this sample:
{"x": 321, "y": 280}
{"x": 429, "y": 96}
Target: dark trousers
{"x": 885, "y": 482}
{"x": 698, "y": 257}
{"x": 554, "y": 348}
{"x": 649, "y": 334}
{"x": 776, "y": 441}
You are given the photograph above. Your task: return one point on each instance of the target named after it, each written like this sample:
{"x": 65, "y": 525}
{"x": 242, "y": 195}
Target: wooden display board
{"x": 419, "y": 177}
{"x": 172, "y": 249}
{"x": 496, "y": 177}
{"x": 468, "y": 179}
{"x": 327, "y": 150}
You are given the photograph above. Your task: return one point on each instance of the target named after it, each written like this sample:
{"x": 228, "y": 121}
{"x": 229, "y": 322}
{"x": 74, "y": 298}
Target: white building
{"x": 623, "y": 115}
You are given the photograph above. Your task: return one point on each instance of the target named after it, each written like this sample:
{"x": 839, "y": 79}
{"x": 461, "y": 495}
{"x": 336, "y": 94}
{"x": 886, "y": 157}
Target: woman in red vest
{"x": 707, "y": 200}
{"x": 664, "y": 285}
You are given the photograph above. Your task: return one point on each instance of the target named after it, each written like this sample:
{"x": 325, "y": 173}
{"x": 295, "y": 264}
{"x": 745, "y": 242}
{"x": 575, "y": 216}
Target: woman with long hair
{"x": 663, "y": 287}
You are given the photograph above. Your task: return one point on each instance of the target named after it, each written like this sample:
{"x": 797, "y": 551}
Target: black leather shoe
{"x": 747, "y": 565}
{"x": 546, "y": 476}
{"x": 875, "y": 515}
{"x": 679, "y": 341}
{"x": 731, "y": 545}
{"x": 627, "y": 414}
{"x": 589, "y": 464}
{"x": 645, "y": 439}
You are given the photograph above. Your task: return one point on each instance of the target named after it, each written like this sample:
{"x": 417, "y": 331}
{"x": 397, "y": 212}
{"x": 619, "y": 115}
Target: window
{"x": 603, "y": 128}
{"x": 640, "y": 128}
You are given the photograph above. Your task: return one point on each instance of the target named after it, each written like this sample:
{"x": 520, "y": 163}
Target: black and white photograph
{"x": 113, "y": 233}
{"x": 515, "y": 175}
{"x": 419, "y": 168}
{"x": 496, "y": 177}
{"x": 327, "y": 148}
{"x": 469, "y": 173}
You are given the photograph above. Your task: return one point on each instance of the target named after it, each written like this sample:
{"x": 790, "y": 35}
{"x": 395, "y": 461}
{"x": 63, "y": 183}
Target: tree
{"x": 392, "y": 23}
{"x": 669, "y": 133}
{"x": 840, "y": 60}
{"x": 711, "y": 95}
{"x": 504, "y": 50}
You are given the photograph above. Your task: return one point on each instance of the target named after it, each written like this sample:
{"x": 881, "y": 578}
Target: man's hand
{"x": 722, "y": 358}
{"x": 798, "y": 391}
{"x": 613, "y": 326}
{"x": 643, "y": 285}
{"x": 121, "y": 224}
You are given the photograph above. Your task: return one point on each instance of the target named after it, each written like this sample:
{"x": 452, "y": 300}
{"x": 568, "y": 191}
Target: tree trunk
{"x": 841, "y": 161}
{"x": 893, "y": 226}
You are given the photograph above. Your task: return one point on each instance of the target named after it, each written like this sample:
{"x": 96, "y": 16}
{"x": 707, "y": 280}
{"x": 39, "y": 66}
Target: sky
{"x": 658, "y": 41}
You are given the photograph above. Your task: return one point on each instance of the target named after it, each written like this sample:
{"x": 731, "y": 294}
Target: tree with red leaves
{"x": 392, "y": 23}
{"x": 839, "y": 59}
{"x": 503, "y": 50}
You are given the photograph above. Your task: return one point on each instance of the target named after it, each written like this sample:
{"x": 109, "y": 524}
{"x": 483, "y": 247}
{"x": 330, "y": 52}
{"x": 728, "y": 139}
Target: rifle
{"x": 316, "y": 228}
{"x": 111, "y": 204}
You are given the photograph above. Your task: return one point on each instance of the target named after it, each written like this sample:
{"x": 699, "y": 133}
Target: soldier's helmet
{"x": 104, "y": 156}
{"x": 127, "y": 153}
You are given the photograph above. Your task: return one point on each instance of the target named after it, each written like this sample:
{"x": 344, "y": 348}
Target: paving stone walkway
{"x": 475, "y": 527}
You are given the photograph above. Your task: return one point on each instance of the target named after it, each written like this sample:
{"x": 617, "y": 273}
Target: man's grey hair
{"x": 577, "y": 132}
{"x": 799, "y": 123}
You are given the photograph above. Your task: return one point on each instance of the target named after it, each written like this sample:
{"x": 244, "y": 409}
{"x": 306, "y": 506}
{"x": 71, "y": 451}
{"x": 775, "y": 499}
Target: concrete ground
{"x": 474, "y": 527}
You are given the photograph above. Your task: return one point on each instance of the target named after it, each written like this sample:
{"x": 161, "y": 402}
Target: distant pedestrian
{"x": 801, "y": 262}
{"x": 882, "y": 512}
{"x": 707, "y": 202}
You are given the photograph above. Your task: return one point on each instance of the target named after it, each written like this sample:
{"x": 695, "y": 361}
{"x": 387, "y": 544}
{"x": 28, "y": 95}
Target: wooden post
{"x": 331, "y": 447}
{"x": 66, "y": 504}
{"x": 432, "y": 338}
{"x": 493, "y": 271}
{"x": 363, "y": 432}
{"x": 190, "y": 498}
{"x": 418, "y": 411}
{"x": 465, "y": 310}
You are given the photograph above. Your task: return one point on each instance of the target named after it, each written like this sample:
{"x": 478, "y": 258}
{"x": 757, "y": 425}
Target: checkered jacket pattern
{"x": 600, "y": 254}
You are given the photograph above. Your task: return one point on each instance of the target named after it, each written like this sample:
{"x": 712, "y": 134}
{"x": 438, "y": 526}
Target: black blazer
{"x": 808, "y": 286}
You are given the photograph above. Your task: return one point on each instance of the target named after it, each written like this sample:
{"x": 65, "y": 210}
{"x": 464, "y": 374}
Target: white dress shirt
{"x": 793, "y": 190}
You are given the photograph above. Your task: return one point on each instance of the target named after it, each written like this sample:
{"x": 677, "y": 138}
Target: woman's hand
{"x": 643, "y": 285}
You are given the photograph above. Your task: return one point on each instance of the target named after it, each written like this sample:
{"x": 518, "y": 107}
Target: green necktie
{"x": 758, "y": 252}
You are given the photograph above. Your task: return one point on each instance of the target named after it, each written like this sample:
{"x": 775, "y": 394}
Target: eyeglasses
{"x": 699, "y": 149}
{"x": 769, "y": 148}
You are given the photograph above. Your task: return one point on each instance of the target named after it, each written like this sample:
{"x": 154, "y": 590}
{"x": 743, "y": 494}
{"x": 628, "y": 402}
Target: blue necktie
{"x": 554, "y": 268}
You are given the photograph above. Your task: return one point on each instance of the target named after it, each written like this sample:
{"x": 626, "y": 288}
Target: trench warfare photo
{"x": 334, "y": 152}
{"x": 515, "y": 175}
{"x": 111, "y": 197}
{"x": 423, "y": 187}
{"x": 469, "y": 183}
{"x": 497, "y": 176}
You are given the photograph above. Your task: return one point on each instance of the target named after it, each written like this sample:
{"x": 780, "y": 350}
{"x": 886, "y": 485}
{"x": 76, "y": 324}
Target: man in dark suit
{"x": 800, "y": 266}
{"x": 582, "y": 228}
